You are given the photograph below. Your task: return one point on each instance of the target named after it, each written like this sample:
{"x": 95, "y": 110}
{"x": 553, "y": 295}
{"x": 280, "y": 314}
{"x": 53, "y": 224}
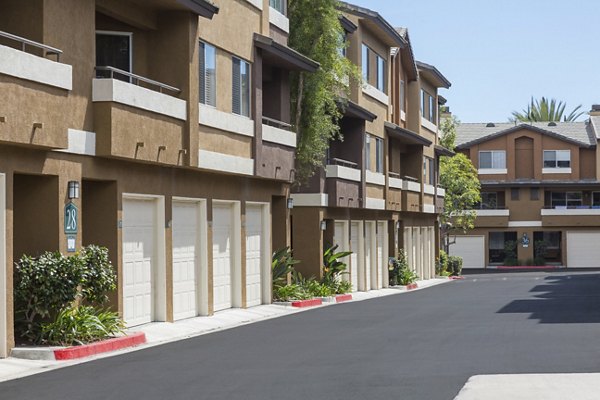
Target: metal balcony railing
{"x": 48, "y": 50}
{"x": 342, "y": 163}
{"x": 277, "y": 124}
{"x": 133, "y": 78}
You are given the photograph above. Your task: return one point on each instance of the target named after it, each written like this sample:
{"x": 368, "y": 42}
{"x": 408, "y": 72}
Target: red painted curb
{"x": 456, "y": 278}
{"x": 104, "y": 346}
{"x": 411, "y": 286}
{"x": 528, "y": 267}
{"x": 307, "y": 303}
{"x": 343, "y": 297}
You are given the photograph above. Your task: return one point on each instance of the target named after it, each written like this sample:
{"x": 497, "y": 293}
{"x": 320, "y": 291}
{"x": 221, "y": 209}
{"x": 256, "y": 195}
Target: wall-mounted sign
{"x": 525, "y": 240}
{"x": 71, "y": 219}
{"x": 71, "y": 243}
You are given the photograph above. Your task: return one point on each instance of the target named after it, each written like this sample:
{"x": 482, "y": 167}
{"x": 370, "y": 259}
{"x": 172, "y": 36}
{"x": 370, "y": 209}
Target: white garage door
{"x": 254, "y": 255}
{"x": 370, "y": 269}
{"x": 139, "y": 255}
{"x": 222, "y": 256}
{"x": 354, "y": 231}
{"x": 381, "y": 258}
{"x": 583, "y": 250}
{"x": 471, "y": 249}
{"x": 186, "y": 239}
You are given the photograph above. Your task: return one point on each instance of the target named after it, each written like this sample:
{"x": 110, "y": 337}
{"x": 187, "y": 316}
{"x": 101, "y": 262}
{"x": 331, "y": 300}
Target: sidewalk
{"x": 532, "y": 386}
{"x": 158, "y": 333}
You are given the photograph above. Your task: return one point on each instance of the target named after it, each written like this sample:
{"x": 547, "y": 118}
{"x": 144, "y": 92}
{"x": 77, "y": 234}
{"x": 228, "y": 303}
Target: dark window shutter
{"x": 236, "y": 89}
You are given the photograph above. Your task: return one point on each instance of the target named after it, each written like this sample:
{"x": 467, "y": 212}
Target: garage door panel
{"x": 471, "y": 249}
{"x": 583, "y": 250}
{"x": 354, "y": 263}
{"x": 222, "y": 261}
{"x": 139, "y": 245}
{"x": 185, "y": 259}
{"x": 368, "y": 256}
{"x": 254, "y": 255}
{"x": 381, "y": 259}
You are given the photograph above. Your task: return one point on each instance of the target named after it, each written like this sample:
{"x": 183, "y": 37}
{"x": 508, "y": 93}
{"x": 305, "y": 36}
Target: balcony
{"x": 411, "y": 194}
{"x": 572, "y": 211}
{"x": 343, "y": 183}
{"x": 441, "y": 192}
{"x": 278, "y": 146}
{"x": 492, "y": 217}
{"x": 571, "y": 216}
{"x": 35, "y": 90}
{"x": 135, "y": 119}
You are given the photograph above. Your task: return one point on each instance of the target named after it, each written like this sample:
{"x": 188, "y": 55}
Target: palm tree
{"x": 546, "y": 110}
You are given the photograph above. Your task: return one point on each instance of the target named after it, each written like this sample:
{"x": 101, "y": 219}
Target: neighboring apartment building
{"x": 169, "y": 123}
{"x": 540, "y": 190}
{"x": 378, "y": 190}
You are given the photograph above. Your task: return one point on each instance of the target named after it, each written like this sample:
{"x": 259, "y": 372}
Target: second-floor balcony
{"x": 571, "y": 210}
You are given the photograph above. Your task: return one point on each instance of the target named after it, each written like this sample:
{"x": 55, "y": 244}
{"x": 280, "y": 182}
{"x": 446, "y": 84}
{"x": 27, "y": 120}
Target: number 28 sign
{"x": 71, "y": 214}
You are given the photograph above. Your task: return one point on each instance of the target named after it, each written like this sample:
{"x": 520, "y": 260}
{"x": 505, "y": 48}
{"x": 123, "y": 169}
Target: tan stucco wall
{"x": 224, "y": 142}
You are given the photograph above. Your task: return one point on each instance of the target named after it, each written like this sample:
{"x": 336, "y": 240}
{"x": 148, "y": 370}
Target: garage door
{"x": 254, "y": 255}
{"x": 381, "y": 258}
{"x": 222, "y": 256}
{"x": 471, "y": 249}
{"x": 354, "y": 263}
{"x": 186, "y": 240}
{"x": 369, "y": 248}
{"x": 583, "y": 250}
{"x": 139, "y": 258}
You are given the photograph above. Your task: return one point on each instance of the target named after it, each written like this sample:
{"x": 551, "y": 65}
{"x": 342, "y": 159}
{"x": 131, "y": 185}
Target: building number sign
{"x": 71, "y": 219}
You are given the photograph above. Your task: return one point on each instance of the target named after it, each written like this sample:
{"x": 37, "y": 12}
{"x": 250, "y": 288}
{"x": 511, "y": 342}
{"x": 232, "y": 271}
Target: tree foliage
{"x": 459, "y": 177}
{"x": 546, "y": 110}
{"x": 316, "y": 32}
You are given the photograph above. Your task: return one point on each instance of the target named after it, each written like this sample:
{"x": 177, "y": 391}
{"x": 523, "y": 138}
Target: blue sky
{"x": 499, "y": 53}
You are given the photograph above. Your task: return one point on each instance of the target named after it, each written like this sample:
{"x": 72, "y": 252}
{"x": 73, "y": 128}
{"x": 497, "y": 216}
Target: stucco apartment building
{"x": 165, "y": 123}
{"x": 540, "y": 190}
{"x": 378, "y": 191}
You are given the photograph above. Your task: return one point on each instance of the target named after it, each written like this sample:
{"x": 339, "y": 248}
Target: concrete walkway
{"x": 532, "y": 386}
{"x": 158, "y": 333}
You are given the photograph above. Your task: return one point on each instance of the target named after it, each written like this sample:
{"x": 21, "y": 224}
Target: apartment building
{"x": 378, "y": 190}
{"x": 159, "y": 129}
{"x": 540, "y": 193}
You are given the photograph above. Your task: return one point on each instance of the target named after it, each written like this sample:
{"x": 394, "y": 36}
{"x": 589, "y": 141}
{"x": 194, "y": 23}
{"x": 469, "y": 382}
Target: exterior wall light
{"x": 73, "y": 187}
{"x": 323, "y": 225}
{"x": 290, "y": 203}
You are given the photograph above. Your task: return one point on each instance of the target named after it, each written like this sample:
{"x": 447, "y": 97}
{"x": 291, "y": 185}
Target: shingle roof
{"x": 580, "y": 133}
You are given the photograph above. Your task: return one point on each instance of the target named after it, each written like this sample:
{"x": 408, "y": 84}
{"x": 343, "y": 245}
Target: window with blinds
{"x": 208, "y": 74}
{"x": 240, "y": 87}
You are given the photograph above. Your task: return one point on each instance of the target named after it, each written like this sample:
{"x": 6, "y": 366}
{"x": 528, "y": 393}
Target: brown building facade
{"x": 172, "y": 119}
{"x": 540, "y": 194}
{"x": 378, "y": 190}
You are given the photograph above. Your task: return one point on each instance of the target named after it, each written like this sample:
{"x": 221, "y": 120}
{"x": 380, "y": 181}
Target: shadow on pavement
{"x": 562, "y": 298}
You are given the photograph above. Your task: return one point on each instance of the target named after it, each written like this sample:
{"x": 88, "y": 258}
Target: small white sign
{"x": 71, "y": 243}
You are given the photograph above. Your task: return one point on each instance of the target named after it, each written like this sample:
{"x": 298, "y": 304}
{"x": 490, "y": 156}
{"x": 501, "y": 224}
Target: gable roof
{"x": 579, "y": 133}
{"x": 376, "y": 22}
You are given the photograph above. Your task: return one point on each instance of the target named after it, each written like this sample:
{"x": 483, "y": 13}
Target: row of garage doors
{"x": 145, "y": 253}
{"x": 582, "y": 250}
{"x": 368, "y": 242}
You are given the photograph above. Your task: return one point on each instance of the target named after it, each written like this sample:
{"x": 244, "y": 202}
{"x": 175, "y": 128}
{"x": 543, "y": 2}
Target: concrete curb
{"x": 74, "y": 352}
{"x": 340, "y": 298}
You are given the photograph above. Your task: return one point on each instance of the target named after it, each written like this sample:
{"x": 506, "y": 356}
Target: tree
{"x": 546, "y": 110}
{"x": 459, "y": 177}
{"x": 316, "y": 32}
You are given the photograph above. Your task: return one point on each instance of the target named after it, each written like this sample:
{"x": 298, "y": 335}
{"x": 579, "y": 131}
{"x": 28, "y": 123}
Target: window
{"x": 566, "y": 199}
{"x": 499, "y": 252}
{"x": 208, "y": 75}
{"x": 596, "y": 199}
{"x": 241, "y": 87}
{"x": 495, "y": 159}
{"x": 534, "y": 194}
{"x": 342, "y": 45}
{"x": 547, "y": 245}
{"x": 365, "y": 62}
{"x": 113, "y": 49}
{"x": 278, "y": 5}
{"x": 557, "y": 158}
{"x": 423, "y": 102}
{"x": 432, "y": 109}
{"x": 380, "y": 73}
{"x": 379, "y": 155}
{"x": 402, "y": 96}
{"x": 368, "y": 151}
{"x": 514, "y": 194}
{"x": 489, "y": 201}
{"x": 428, "y": 171}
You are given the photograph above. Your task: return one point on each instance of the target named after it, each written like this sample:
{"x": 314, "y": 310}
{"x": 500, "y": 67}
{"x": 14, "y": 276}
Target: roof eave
{"x": 201, "y": 7}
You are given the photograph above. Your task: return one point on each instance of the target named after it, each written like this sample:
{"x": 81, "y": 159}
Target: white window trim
{"x": 225, "y": 162}
{"x": 557, "y": 170}
{"x": 310, "y": 199}
{"x": 492, "y": 153}
{"x": 492, "y": 171}
{"x": 229, "y": 122}
{"x": 376, "y": 94}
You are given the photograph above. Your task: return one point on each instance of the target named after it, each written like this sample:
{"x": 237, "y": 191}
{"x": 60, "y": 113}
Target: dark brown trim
{"x": 348, "y": 25}
{"x": 541, "y": 184}
{"x": 203, "y": 8}
{"x": 442, "y": 151}
{"x": 287, "y": 58}
{"x": 434, "y": 75}
{"x": 376, "y": 19}
{"x": 353, "y": 110}
{"x": 406, "y": 136}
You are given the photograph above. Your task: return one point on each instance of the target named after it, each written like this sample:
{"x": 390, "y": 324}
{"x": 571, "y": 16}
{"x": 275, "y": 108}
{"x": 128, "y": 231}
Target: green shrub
{"x": 407, "y": 276}
{"x": 455, "y": 264}
{"x": 539, "y": 261}
{"x": 51, "y": 283}
{"x": 511, "y": 262}
{"x": 529, "y": 262}
{"x": 291, "y": 291}
{"x": 282, "y": 265}
{"x": 80, "y": 325}
{"x": 343, "y": 287}
{"x": 442, "y": 264}
{"x": 317, "y": 289}
{"x": 333, "y": 268}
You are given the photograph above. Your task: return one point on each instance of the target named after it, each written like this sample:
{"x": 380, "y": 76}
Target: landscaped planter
{"x": 86, "y": 350}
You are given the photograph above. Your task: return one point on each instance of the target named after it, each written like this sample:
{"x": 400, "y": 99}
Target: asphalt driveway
{"x": 422, "y": 345}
